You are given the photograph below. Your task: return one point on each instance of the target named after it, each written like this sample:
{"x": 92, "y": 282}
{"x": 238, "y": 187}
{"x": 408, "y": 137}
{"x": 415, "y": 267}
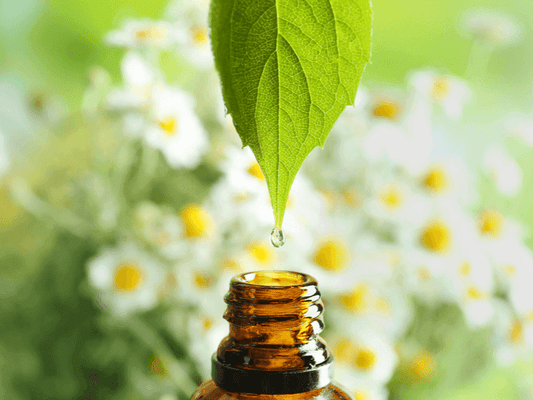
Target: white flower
{"x": 433, "y": 247}
{"x": 495, "y": 230}
{"x": 305, "y": 213}
{"x": 503, "y": 169}
{"x": 194, "y": 43}
{"x": 139, "y": 77}
{"x": 175, "y": 129}
{"x": 396, "y": 203}
{"x": 206, "y": 328}
{"x": 449, "y": 180}
{"x": 143, "y": 33}
{"x": 400, "y": 131}
{"x": 126, "y": 278}
{"x": 448, "y": 91}
{"x": 513, "y": 335}
{"x": 377, "y": 302}
{"x": 513, "y": 262}
{"x": 491, "y": 27}
{"x": 240, "y": 200}
{"x": 257, "y": 254}
{"x": 365, "y": 353}
{"x": 360, "y": 388}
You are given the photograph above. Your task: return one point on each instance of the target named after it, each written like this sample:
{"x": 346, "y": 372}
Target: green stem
{"x": 177, "y": 373}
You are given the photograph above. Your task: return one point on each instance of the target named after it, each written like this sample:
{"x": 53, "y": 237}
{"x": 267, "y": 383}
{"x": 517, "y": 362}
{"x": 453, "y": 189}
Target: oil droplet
{"x": 277, "y": 237}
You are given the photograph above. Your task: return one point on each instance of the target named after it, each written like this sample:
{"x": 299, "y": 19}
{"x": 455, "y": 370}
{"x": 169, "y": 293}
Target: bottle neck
{"x": 275, "y": 319}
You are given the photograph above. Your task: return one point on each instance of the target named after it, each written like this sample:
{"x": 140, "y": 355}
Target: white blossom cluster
{"x": 376, "y": 216}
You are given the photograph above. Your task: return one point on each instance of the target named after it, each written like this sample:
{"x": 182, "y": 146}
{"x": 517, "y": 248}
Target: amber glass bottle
{"x": 273, "y": 350}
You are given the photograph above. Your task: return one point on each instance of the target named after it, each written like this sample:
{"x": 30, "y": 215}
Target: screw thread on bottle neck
{"x": 275, "y": 318}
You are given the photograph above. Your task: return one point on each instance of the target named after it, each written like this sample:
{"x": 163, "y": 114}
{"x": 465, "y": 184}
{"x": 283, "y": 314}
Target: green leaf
{"x": 288, "y": 69}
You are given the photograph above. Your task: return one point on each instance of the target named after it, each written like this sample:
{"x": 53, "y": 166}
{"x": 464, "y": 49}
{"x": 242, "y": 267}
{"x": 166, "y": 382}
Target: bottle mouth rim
{"x": 274, "y": 279}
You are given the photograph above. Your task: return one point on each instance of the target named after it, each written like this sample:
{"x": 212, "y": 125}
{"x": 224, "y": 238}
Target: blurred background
{"x": 127, "y": 203}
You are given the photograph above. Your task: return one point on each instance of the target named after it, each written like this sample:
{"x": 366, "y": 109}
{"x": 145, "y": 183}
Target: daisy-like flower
{"x": 194, "y": 43}
{"x": 175, "y": 129}
{"x": 126, "y": 279}
{"x": 450, "y": 92}
{"x": 257, "y": 255}
{"x": 448, "y": 180}
{"x": 491, "y": 27}
{"x": 503, "y": 169}
{"x": 305, "y": 213}
{"x": 433, "y": 247}
{"x": 513, "y": 335}
{"x": 139, "y": 78}
{"x": 143, "y": 33}
{"x": 360, "y": 388}
{"x": 366, "y": 354}
{"x": 400, "y": 130}
{"x": 372, "y": 302}
{"x": 206, "y": 328}
{"x": 394, "y": 202}
{"x": 495, "y": 229}
{"x": 513, "y": 262}
{"x": 472, "y": 284}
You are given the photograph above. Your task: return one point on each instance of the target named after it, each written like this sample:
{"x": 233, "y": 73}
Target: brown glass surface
{"x": 210, "y": 391}
{"x": 275, "y": 320}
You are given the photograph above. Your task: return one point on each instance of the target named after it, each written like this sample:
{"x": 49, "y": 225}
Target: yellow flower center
{"x": 356, "y": 300}
{"x": 383, "y": 306}
{"x": 242, "y": 197}
{"x": 329, "y": 197}
{"x": 360, "y": 395}
{"x": 157, "y": 367}
{"x": 207, "y": 323}
{"x": 464, "y": 269}
{"x": 201, "y": 280}
{"x": 127, "y": 277}
{"x": 509, "y": 270}
{"x": 151, "y": 33}
{"x": 473, "y": 293}
{"x": 391, "y": 197}
{"x": 169, "y": 126}
{"x": 343, "y": 350}
{"x": 440, "y": 88}
{"x": 386, "y": 109}
{"x": 491, "y": 223}
{"x": 332, "y": 255}
{"x": 424, "y": 274}
{"x": 516, "y": 333}
{"x": 262, "y": 253}
{"x": 198, "y": 222}
{"x": 199, "y": 36}
{"x": 436, "y": 180}
{"x": 423, "y": 365}
{"x": 436, "y": 237}
{"x": 229, "y": 264}
{"x": 365, "y": 359}
{"x": 255, "y": 170}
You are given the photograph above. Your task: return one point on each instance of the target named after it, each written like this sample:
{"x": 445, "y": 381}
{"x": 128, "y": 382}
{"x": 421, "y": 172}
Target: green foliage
{"x": 288, "y": 70}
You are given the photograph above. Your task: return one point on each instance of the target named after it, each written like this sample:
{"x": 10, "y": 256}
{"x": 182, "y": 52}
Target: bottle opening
{"x": 274, "y": 278}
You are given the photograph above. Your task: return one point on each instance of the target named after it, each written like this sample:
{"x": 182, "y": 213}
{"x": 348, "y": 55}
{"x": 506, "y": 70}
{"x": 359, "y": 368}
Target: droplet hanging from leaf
{"x": 288, "y": 69}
